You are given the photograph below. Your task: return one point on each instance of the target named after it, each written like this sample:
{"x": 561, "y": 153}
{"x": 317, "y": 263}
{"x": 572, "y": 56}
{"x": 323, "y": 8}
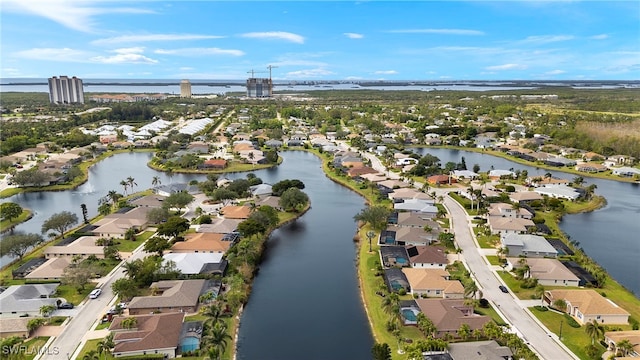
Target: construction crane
{"x": 270, "y": 67}
{"x": 253, "y": 72}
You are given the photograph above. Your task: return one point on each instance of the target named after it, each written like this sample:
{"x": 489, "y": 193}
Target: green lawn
{"x": 70, "y": 294}
{"x": 5, "y": 224}
{"x": 33, "y": 345}
{"x": 575, "y": 339}
{"x": 491, "y": 312}
{"x": 494, "y": 260}
{"x": 57, "y": 320}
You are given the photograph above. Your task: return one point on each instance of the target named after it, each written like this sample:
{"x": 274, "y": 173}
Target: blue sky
{"x": 322, "y": 40}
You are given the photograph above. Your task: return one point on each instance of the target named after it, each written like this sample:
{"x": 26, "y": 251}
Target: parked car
{"x": 503, "y": 289}
{"x": 65, "y": 305}
{"x": 95, "y": 293}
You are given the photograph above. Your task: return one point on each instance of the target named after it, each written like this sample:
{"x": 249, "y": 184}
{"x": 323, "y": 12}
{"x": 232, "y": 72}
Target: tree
{"x": 594, "y": 330}
{"x": 217, "y": 337}
{"x": 157, "y": 215}
{"x": 17, "y": 245}
{"x": 177, "y": 200}
{"x": 224, "y": 195}
{"x": 129, "y": 323}
{"x": 132, "y": 182}
{"x": 470, "y": 288}
{"x": 464, "y": 331}
{"x": 85, "y": 218}
{"x": 250, "y": 227}
{"x": 78, "y": 274}
{"x": 293, "y": 199}
{"x": 157, "y": 244}
{"x": 375, "y": 216}
{"x": 173, "y": 227}
{"x": 155, "y": 181}
{"x": 33, "y": 324}
{"x": 60, "y": 222}
{"x": 125, "y": 185}
{"x": 125, "y": 288}
{"x": 624, "y": 347}
{"x": 10, "y": 211}
{"x": 105, "y": 345}
{"x": 46, "y": 310}
{"x": 278, "y": 188}
{"x": 381, "y": 351}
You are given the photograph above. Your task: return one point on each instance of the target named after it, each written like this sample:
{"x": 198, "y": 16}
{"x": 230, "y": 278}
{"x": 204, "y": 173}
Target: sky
{"x": 321, "y": 40}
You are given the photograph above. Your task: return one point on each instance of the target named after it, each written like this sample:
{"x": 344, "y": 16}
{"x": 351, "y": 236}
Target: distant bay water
{"x": 203, "y": 87}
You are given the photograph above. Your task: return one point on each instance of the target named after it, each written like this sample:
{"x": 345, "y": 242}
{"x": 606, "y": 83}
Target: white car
{"x": 95, "y": 293}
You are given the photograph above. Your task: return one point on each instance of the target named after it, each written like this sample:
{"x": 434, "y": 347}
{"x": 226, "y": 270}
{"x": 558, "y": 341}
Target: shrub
{"x": 541, "y": 308}
{"x": 484, "y": 303}
{"x": 571, "y": 321}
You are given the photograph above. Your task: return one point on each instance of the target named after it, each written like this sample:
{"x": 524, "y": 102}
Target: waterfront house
{"x": 477, "y": 350}
{"x": 612, "y": 338}
{"x": 82, "y": 247}
{"x": 464, "y": 175}
{"x": 507, "y": 210}
{"x": 116, "y": 225}
{"x": 413, "y": 219}
{"x": 219, "y": 226}
{"x": 625, "y": 171}
{"x": 440, "y": 179}
{"x": 374, "y": 177}
{"x": 508, "y": 225}
{"x": 216, "y": 164}
{"x": 171, "y": 296}
{"x": 394, "y": 256}
{"x": 202, "y": 242}
{"x": 558, "y": 192}
{"x": 527, "y": 245}
{"x": 498, "y": 174}
{"x": 152, "y": 334}
{"x": 586, "y": 305}
{"x": 425, "y": 207}
{"x": 449, "y": 314}
{"x": 152, "y": 201}
{"x": 395, "y": 280}
{"x": 524, "y": 197}
{"x": 543, "y": 181}
{"x": 549, "y": 272}
{"x": 197, "y": 263}
{"x": 433, "y": 283}
{"x": 399, "y": 195}
{"x": 591, "y": 167}
{"x": 21, "y": 300}
{"x": 429, "y": 257}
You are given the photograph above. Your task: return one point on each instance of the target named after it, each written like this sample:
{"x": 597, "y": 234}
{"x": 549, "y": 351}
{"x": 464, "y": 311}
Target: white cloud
{"x": 309, "y": 73}
{"x": 54, "y": 54}
{"x": 354, "y": 78}
{"x": 153, "y": 37}
{"x": 353, "y": 35}
{"x": 544, "y": 39}
{"x": 279, "y": 35}
{"x": 506, "y": 67}
{"x": 186, "y": 68}
{"x": 385, "y": 72}
{"x": 599, "y": 37}
{"x": 555, "y": 72}
{"x": 131, "y": 55}
{"x": 74, "y": 14}
{"x": 439, "y": 31}
{"x": 199, "y": 52}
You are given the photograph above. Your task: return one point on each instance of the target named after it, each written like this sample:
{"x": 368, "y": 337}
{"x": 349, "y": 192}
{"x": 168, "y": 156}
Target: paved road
{"x": 67, "y": 343}
{"x": 539, "y": 339}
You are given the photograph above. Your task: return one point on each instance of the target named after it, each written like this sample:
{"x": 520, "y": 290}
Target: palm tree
{"x": 212, "y": 312}
{"x": 129, "y": 323}
{"x": 91, "y": 355}
{"x": 470, "y": 289}
{"x": 212, "y": 353}
{"x": 105, "y": 345}
{"x": 132, "y": 182}
{"x": 217, "y": 337}
{"x": 46, "y": 310}
{"x": 624, "y": 347}
{"x": 125, "y": 185}
{"x": 464, "y": 331}
{"x": 155, "y": 181}
{"x": 594, "y": 330}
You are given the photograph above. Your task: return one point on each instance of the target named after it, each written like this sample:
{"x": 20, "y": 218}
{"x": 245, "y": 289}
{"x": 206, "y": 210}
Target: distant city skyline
{"x": 321, "y": 40}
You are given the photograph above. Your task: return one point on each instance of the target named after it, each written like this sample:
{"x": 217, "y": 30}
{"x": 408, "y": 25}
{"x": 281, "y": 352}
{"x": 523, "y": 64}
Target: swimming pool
{"x": 189, "y": 343}
{"x": 409, "y": 315}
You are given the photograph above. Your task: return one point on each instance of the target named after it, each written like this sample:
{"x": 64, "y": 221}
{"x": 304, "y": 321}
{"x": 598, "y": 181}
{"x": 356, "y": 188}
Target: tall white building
{"x": 65, "y": 90}
{"x": 185, "y": 89}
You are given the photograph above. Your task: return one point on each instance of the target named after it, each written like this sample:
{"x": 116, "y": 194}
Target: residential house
{"x": 625, "y": 171}
{"x": 527, "y": 245}
{"x": 440, "y": 179}
{"x": 273, "y": 201}
{"x": 116, "y": 225}
{"x": 152, "y": 334}
{"x": 202, "y": 242}
{"x": 235, "y": 212}
{"x": 171, "y": 296}
{"x": 395, "y": 280}
{"x": 507, "y": 210}
{"x": 618, "y": 160}
{"x": 151, "y": 201}
{"x": 82, "y": 247}
{"x": 612, "y": 338}
{"x": 220, "y": 226}
{"x": 21, "y": 300}
{"x": 417, "y": 205}
{"x": 544, "y": 181}
{"x": 508, "y": 225}
{"x": 549, "y": 272}
{"x": 413, "y": 219}
{"x": 498, "y": 174}
{"x": 586, "y": 305}
{"x": 478, "y": 350}
{"x": 10, "y": 327}
{"x": 52, "y": 269}
{"x": 427, "y": 257}
{"x": 524, "y": 197}
{"x": 359, "y": 171}
{"x": 406, "y": 193}
{"x": 261, "y": 190}
{"x": 464, "y": 175}
{"x": 433, "y": 283}
{"x": 216, "y": 164}
{"x": 449, "y": 314}
{"x": 374, "y": 177}
{"x": 167, "y": 190}
{"x": 198, "y": 263}
{"x": 558, "y": 192}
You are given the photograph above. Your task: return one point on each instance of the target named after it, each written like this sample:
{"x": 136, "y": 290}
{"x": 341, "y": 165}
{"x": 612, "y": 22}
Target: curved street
{"x": 514, "y": 311}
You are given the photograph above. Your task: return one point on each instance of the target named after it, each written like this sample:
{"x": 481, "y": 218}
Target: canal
{"x": 305, "y": 301}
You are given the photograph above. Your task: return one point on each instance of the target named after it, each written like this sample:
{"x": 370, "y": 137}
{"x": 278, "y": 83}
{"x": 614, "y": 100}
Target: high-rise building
{"x": 259, "y": 87}
{"x": 185, "y": 89}
{"x": 65, "y": 90}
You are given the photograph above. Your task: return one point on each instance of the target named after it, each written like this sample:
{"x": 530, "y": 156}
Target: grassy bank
{"x": 7, "y": 224}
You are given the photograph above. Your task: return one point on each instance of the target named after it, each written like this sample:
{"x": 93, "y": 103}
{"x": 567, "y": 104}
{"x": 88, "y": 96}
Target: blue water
{"x": 409, "y": 315}
{"x": 189, "y": 343}
{"x": 401, "y": 261}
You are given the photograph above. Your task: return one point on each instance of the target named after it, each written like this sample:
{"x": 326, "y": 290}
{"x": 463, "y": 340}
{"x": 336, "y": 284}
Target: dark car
{"x": 66, "y": 306}
{"x": 503, "y": 289}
